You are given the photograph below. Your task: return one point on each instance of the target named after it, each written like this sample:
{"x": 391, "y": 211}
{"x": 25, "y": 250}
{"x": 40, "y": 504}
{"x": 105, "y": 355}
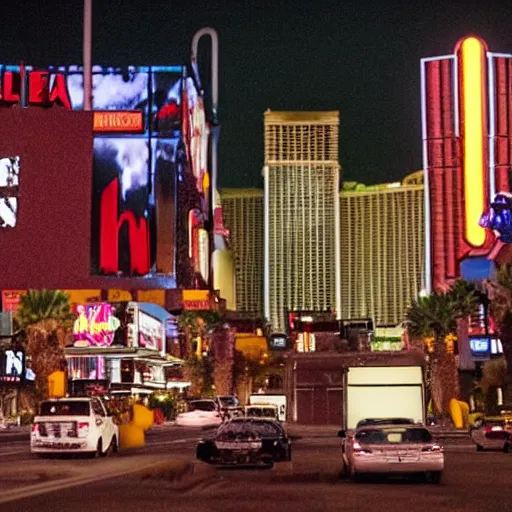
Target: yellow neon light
{"x": 473, "y": 139}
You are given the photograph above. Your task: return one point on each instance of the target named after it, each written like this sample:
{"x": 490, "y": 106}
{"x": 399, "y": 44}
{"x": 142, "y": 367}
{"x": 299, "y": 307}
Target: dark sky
{"x": 360, "y": 57}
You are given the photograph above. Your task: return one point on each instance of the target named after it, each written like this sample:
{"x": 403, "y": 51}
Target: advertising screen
{"x": 96, "y": 325}
{"x": 278, "y": 341}
{"x": 9, "y": 185}
{"x": 150, "y": 133}
{"x": 151, "y": 332}
{"x": 12, "y": 366}
{"x": 480, "y": 347}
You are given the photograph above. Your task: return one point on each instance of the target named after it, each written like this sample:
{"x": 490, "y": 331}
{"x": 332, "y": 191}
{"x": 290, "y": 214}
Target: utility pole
{"x": 87, "y": 50}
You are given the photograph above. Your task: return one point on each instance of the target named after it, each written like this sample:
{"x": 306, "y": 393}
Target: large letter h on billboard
{"x": 110, "y": 223}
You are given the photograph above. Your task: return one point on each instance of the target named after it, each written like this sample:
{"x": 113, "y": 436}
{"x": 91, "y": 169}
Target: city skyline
{"x": 359, "y": 58}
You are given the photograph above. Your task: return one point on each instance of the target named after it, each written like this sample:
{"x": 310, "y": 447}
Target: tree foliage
{"x": 38, "y": 305}
{"x": 44, "y": 316}
{"x": 435, "y": 317}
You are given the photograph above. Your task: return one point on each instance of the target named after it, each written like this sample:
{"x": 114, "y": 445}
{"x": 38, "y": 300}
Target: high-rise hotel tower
{"x": 243, "y": 215}
{"x": 301, "y": 215}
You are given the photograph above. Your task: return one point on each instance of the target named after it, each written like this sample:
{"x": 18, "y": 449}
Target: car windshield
{"x": 261, "y": 412}
{"x": 384, "y": 421}
{"x": 65, "y": 408}
{"x": 262, "y": 428}
{"x": 202, "y": 405}
{"x": 228, "y": 401}
{"x": 394, "y": 436}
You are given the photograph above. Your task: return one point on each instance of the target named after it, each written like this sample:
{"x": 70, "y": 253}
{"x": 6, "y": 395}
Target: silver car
{"x": 371, "y": 422}
{"x": 403, "y": 450}
{"x": 493, "y": 433}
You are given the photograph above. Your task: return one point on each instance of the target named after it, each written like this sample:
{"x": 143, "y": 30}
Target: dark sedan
{"x": 246, "y": 441}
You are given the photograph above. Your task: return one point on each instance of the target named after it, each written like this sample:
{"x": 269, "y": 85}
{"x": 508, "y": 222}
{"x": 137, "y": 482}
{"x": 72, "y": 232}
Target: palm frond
{"x": 39, "y": 305}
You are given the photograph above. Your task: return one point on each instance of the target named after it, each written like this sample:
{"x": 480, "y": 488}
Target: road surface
{"x": 146, "y": 480}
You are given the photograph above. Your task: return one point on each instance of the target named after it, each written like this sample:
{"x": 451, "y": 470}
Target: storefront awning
{"x": 155, "y": 311}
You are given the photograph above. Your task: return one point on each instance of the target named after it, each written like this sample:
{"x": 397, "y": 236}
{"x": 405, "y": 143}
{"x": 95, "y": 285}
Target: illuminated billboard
{"x": 466, "y": 105}
{"x": 12, "y": 366}
{"x": 150, "y": 135}
{"x": 95, "y": 325}
{"x": 151, "y": 332}
{"x": 9, "y": 186}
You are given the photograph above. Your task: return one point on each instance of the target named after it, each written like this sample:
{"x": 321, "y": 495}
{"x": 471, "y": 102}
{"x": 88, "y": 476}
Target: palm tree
{"x": 194, "y": 326}
{"x": 467, "y": 299}
{"x": 45, "y": 318}
{"x": 435, "y": 316}
{"x": 499, "y": 291}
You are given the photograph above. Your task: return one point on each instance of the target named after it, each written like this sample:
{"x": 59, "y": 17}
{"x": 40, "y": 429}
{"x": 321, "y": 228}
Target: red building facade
{"x": 467, "y": 156}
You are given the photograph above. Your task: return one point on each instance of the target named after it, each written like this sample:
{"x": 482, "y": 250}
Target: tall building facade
{"x": 301, "y": 201}
{"x": 466, "y": 106}
{"x": 243, "y": 216}
{"x": 382, "y": 233}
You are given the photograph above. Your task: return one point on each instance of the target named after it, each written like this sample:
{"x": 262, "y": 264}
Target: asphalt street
{"x": 163, "y": 476}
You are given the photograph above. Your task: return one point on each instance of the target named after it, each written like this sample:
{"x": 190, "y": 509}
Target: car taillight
{"x": 82, "y": 429}
{"x": 493, "y": 429}
{"x": 35, "y": 427}
{"x": 433, "y": 448}
{"x": 359, "y": 449}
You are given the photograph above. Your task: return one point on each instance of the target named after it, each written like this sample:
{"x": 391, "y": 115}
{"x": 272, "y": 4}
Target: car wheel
{"x": 112, "y": 448}
{"x": 507, "y": 448}
{"x": 354, "y": 475}
{"x": 99, "y": 449}
{"x": 435, "y": 477}
{"x": 479, "y": 448}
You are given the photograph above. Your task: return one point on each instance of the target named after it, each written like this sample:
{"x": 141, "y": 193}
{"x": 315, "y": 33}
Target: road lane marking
{"x": 14, "y": 452}
{"x": 51, "y": 486}
{"x": 173, "y": 441}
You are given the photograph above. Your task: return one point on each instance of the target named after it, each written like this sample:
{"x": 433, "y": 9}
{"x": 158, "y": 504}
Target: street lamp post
{"x": 215, "y": 98}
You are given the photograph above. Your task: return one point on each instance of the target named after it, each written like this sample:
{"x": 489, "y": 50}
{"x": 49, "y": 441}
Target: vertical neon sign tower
{"x": 466, "y": 106}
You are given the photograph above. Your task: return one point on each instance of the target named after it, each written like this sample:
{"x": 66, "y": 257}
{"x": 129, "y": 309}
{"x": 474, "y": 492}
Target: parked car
{"x": 246, "y": 441}
{"x": 493, "y": 433}
{"x": 200, "y": 413}
{"x": 229, "y": 406}
{"x": 74, "y": 425}
{"x": 393, "y": 450}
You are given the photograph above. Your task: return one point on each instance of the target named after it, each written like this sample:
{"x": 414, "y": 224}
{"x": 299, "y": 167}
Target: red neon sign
{"x": 39, "y": 92}
{"x": 110, "y": 224}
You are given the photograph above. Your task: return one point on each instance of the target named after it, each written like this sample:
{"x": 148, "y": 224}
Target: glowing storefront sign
{"x": 105, "y": 121}
{"x": 13, "y": 366}
{"x": 480, "y": 345}
{"x": 95, "y": 326}
{"x": 472, "y": 52}
{"x": 196, "y": 299}
{"x": 204, "y": 253}
{"x": 11, "y": 300}
{"x": 44, "y": 88}
{"x": 151, "y": 332}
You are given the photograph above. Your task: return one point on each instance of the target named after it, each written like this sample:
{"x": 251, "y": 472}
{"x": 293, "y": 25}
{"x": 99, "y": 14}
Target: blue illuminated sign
{"x": 480, "y": 345}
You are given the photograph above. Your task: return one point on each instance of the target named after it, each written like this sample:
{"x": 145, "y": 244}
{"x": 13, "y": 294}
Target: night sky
{"x": 360, "y": 57}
